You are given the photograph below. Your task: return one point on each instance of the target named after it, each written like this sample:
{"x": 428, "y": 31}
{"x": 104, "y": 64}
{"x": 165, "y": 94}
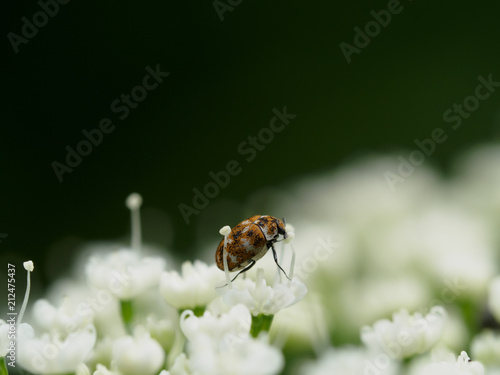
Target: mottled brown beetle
{"x": 249, "y": 241}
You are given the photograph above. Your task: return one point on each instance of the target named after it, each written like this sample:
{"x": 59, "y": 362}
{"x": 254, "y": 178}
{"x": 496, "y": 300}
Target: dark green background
{"x": 225, "y": 79}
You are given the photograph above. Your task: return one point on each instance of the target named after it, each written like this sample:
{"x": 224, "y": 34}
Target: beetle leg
{"x": 252, "y": 262}
{"x": 243, "y": 270}
{"x": 276, "y": 260}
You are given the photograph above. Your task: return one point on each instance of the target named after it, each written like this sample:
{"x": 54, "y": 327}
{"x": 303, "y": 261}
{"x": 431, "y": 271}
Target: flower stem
{"x": 260, "y": 323}
{"x": 3, "y": 367}
{"x": 127, "y": 313}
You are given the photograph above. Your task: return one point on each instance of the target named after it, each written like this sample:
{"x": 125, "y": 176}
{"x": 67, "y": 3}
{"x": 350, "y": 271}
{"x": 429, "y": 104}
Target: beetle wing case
{"x": 246, "y": 241}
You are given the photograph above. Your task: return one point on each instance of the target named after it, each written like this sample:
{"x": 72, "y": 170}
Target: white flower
{"x": 54, "y": 353}
{"x": 124, "y": 273}
{"x": 224, "y": 328}
{"x": 4, "y": 338}
{"x": 139, "y": 354}
{"x": 180, "y": 366}
{"x": 479, "y": 178}
{"x": 63, "y": 319}
{"x": 453, "y": 244}
{"x": 223, "y": 345}
{"x": 97, "y": 305}
{"x": 407, "y": 334}
{"x": 449, "y": 366}
{"x": 82, "y": 369}
{"x": 348, "y": 361}
{"x": 102, "y": 370}
{"x": 162, "y": 330}
{"x": 102, "y": 352}
{"x": 195, "y": 288}
{"x": 486, "y": 348}
{"x": 247, "y": 357}
{"x": 455, "y": 334}
{"x": 260, "y": 298}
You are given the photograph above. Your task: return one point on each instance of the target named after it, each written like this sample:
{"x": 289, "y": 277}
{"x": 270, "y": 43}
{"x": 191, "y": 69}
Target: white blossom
{"x": 53, "y": 353}
{"x": 247, "y": 357}
{"x": 449, "y": 365}
{"x": 485, "y": 348}
{"x": 138, "y": 354}
{"x": 82, "y": 369}
{"x": 125, "y": 273}
{"x": 261, "y": 298}
{"x": 103, "y": 370}
{"x": 349, "y": 361}
{"x": 4, "y": 338}
{"x": 196, "y": 287}
{"x": 224, "y": 328}
{"x": 64, "y": 318}
{"x": 223, "y": 345}
{"x": 180, "y": 366}
{"x": 406, "y": 335}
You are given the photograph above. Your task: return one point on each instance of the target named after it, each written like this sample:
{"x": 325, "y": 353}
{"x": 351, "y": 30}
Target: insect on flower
{"x": 249, "y": 241}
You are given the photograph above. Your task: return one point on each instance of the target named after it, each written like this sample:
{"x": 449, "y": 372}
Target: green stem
{"x": 260, "y": 323}
{"x": 127, "y": 313}
{"x": 3, "y": 367}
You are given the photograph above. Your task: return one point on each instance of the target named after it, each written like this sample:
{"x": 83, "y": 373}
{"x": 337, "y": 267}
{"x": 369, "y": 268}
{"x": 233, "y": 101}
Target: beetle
{"x": 249, "y": 241}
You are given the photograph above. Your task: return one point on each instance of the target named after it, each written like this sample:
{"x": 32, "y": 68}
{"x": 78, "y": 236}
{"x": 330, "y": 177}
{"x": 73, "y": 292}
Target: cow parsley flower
{"x": 180, "y": 366}
{"x": 349, "y": 360}
{"x": 51, "y": 353}
{"x": 138, "y": 354}
{"x": 486, "y": 348}
{"x": 219, "y": 345}
{"x": 4, "y": 338}
{"x": 64, "y": 318}
{"x": 406, "y": 335}
{"x": 450, "y": 366}
{"x": 223, "y": 328}
{"x": 103, "y": 370}
{"x": 61, "y": 347}
{"x": 124, "y": 273}
{"x": 261, "y": 298}
{"x": 194, "y": 288}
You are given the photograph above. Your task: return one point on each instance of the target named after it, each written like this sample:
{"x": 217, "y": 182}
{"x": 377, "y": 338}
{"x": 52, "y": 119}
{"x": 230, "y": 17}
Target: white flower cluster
{"x": 401, "y": 277}
{"x": 130, "y": 315}
{"x": 369, "y": 248}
